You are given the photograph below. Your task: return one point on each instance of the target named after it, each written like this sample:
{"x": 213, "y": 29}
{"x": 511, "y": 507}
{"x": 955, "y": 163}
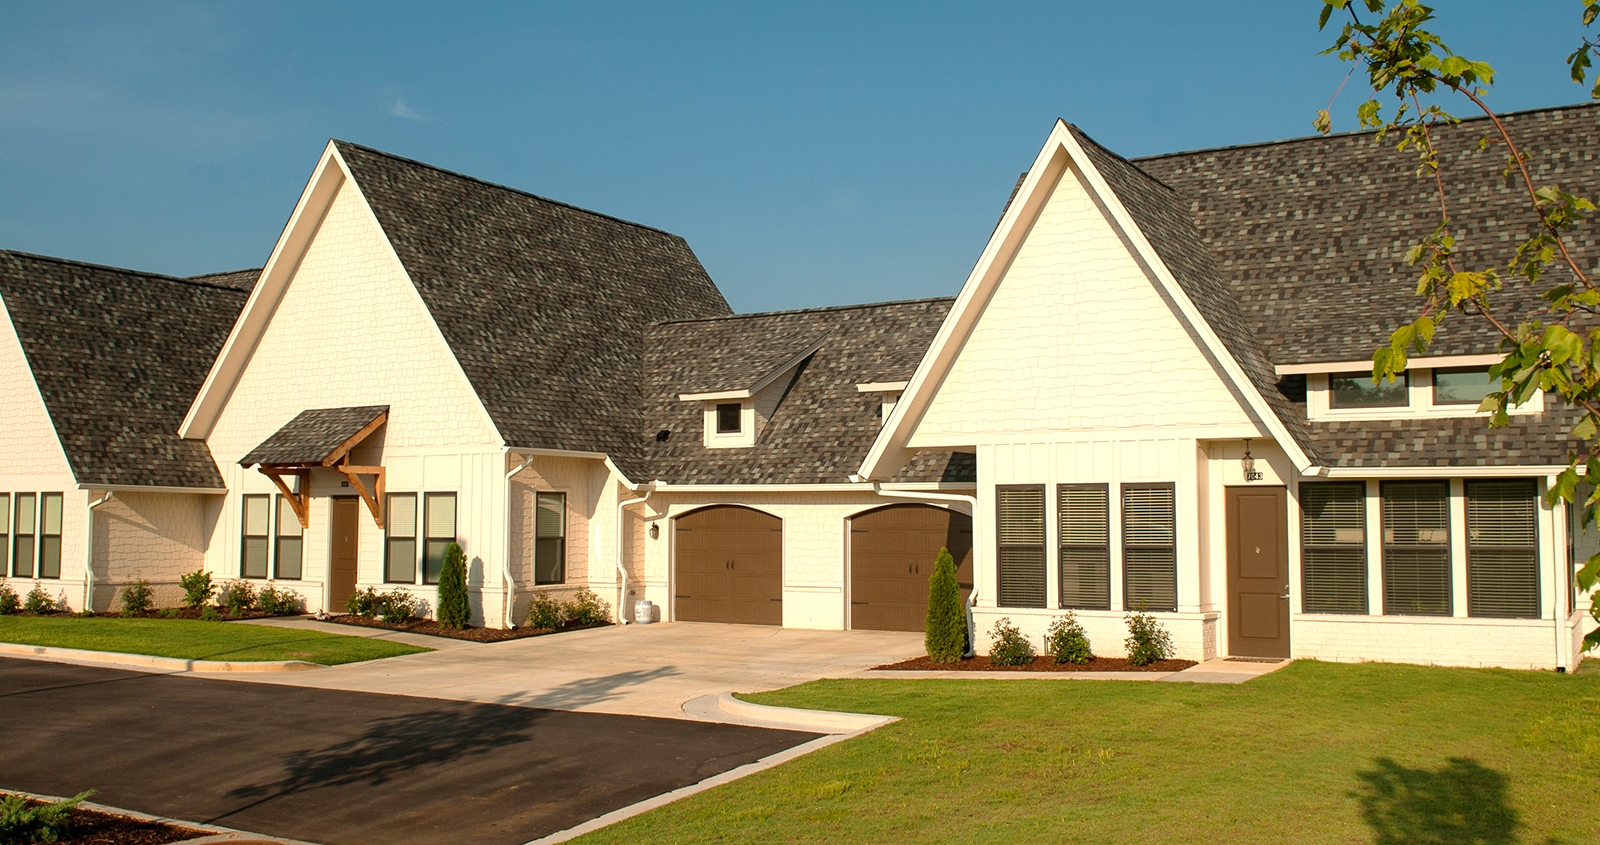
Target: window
{"x": 1083, "y": 517}
{"x": 1502, "y": 549}
{"x": 550, "y": 539}
{"x": 253, "y": 554}
{"x": 728, "y": 418}
{"x": 22, "y": 538}
{"x": 1583, "y": 541}
{"x": 400, "y": 539}
{"x": 1149, "y": 547}
{"x": 1416, "y": 548}
{"x": 439, "y": 523}
{"x": 1462, "y": 385}
{"x": 1021, "y": 530}
{"x": 5, "y": 532}
{"x": 288, "y": 555}
{"x": 1333, "y": 547}
{"x": 50, "y": 536}
{"x": 1358, "y": 390}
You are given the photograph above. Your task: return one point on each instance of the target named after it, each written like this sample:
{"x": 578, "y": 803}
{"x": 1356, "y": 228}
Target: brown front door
{"x": 1258, "y": 571}
{"x": 729, "y": 566}
{"x": 892, "y": 554}
{"x": 342, "y": 552}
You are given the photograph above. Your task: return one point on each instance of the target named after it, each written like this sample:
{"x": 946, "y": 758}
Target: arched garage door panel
{"x": 892, "y": 555}
{"x": 729, "y": 566}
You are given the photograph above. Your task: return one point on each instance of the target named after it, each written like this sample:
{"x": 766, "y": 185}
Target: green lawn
{"x": 192, "y": 639}
{"x": 1314, "y": 753}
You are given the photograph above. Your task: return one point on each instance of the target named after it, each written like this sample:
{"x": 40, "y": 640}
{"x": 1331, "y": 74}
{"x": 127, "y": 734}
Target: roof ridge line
{"x": 817, "y": 310}
{"x": 499, "y": 186}
{"x": 1118, "y": 156}
{"x": 188, "y": 280}
{"x": 1306, "y": 138}
{"x": 223, "y": 273}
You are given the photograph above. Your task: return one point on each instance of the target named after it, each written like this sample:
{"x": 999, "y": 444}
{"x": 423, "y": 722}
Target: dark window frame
{"x": 5, "y": 534}
{"x": 18, "y": 559}
{"x": 1402, "y": 380}
{"x": 1310, "y": 580}
{"x": 1477, "y": 576}
{"x": 1433, "y": 388}
{"x": 727, "y": 410}
{"x": 539, "y": 547}
{"x": 1004, "y": 592}
{"x": 279, "y": 504}
{"x": 1391, "y": 549}
{"x": 245, "y": 536}
{"x": 429, "y": 541}
{"x": 1064, "y": 548}
{"x": 50, "y": 544}
{"x": 1128, "y": 603}
{"x": 390, "y": 539}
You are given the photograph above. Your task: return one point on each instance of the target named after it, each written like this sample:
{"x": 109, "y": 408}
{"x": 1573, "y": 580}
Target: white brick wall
{"x": 1509, "y": 643}
{"x": 1193, "y": 634}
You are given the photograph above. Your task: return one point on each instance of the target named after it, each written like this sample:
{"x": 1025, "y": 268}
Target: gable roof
{"x": 823, "y": 425}
{"x": 314, "y": 435}
{"x": 118, "y": 356}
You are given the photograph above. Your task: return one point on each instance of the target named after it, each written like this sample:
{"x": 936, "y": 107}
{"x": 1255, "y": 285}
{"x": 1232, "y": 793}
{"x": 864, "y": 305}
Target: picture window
{"x": 1358, "y": 390}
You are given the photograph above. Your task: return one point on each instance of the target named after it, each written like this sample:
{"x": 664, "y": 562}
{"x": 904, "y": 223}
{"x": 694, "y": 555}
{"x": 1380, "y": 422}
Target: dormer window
{"x": 1462, "y": 385}
{"x": 1358, "y": 390}
{"x": 1444, "y": 386}
{"x": 728, "y": 417}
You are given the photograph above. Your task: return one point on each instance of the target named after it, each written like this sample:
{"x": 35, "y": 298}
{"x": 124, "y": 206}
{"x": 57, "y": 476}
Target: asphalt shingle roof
{"x": 118, "y": 356}
{"x": 313, "y": 435}
{"x": 244, "y": 280}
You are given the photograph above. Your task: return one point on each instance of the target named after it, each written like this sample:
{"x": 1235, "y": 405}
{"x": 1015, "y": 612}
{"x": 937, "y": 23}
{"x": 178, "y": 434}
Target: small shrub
{"x": 397, "y": 607}
{"x": 586, "y": 608}
{"x": 138, "y": 597}
{"x": 239, "y": 597}
{"x": 169, "y": 613}
{"x": 544, "y": 612}
{"x": 945, "y": 632}
{"x": 1010, "y": 647}
{"x": 38, "y": 601}
{"x": 9, "y": 602}
{"x": 455, "y": 610}
{"x": 208, "y": 613}
{"x": 197, "y": 588}
{"x": 1147, "y": 641}
{"x": 278, "y": 602}
{"x": 45, "y": 822}
{"x": 366, "y": 603}
{"x": 1066, "y": 641}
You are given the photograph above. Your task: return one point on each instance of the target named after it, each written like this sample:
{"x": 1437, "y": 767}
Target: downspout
{"x": 505, "y": 557}
{"x": 88, "y": 552}
{"x": 622, "y": 575}
{"x": 972, "y": 510}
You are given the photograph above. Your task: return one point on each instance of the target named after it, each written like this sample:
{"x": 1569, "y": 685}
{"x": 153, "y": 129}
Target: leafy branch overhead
{"x": 1555, "y": 346}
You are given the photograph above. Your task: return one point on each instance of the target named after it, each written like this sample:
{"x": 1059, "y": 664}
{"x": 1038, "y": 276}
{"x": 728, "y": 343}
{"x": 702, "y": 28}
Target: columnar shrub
{"x": 279, "y": 602}
{"x": 138, "y": 597}
{"x": 45, "y": 822}
{"x": 544, "y": 612}
{"x": 1147, "y": 641}
{"x": 586, "y": 608}
{"x": 1066, "y": 641}
{"x": 1008, "y": 647}
{"x": 945, "y": 632}
{"x": 9, "y": 602}
{"x": 397, "y": 606}
{"x": 197, "y": 588}
{"x": 454, "y": 608}
{"x": 38, "y": 601}
{"x": 366, "y": 603}
{"x": 239, "y": 597}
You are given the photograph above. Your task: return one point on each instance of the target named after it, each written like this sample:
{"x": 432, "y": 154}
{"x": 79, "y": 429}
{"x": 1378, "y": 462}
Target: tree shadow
{"x": 1461, "y": 803}
{"x": 589, "y": 690}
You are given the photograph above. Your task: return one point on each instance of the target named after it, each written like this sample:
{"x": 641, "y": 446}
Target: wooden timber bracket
{"x": 374, "y": 497}
{"x": 301, "y": 502}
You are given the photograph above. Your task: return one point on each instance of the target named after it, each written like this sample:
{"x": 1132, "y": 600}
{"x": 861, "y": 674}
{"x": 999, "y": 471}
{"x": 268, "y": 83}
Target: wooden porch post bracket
{"x": 300, "y": 502}
{"x": 374, "y": 499}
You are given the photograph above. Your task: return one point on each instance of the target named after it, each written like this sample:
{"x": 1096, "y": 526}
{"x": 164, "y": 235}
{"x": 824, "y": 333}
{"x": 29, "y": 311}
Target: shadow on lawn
{"x": 393, "y": 746}
{"x": 1461, "y": 803}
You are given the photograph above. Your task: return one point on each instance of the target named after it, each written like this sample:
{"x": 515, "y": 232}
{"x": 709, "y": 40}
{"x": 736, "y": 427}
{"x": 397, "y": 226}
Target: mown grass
{"x": 192, "y": 639}
{"x": 1314, "y": 753}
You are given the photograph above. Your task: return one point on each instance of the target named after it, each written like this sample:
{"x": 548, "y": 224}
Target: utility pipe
{"x": 972, "y": 510}
{"x": 88, "y": 551}
{"x": 622, "y": 575}
{"x": 505, "y": 556}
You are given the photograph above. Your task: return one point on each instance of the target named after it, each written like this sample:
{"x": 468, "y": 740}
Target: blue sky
{"x": 812, "y": 154}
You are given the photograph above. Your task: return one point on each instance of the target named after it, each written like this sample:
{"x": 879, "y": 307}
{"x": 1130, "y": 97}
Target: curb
{"x": 214, "y": 833}
{"x": 818, "y": 721}
{"x": 148, "y": 661}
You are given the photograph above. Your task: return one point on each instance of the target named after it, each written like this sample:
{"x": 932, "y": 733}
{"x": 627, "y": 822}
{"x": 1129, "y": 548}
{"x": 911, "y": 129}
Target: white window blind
{"x": 550, "y": 543}
{"x": 1416, "y": 548}
{"x": 1333, "y": 547}
{"x": 253, "y": 553}
{"x": 400, "y": 540}
{"x": 5, "y": 533}
{"x": 1149, "y": 547}
{"x": 22, "y": 537}
{"x": 50, "y": 535}
{"x": 1083, "y": 516}
{"x": 1502, "y": 548}
{"x": 291, "y": 547}
{"x": 1021, "y": 535}
{"x": 439, "y": 519}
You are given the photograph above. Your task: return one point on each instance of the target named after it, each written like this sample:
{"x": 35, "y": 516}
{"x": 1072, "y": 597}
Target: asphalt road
{"x": 343, "y": 768}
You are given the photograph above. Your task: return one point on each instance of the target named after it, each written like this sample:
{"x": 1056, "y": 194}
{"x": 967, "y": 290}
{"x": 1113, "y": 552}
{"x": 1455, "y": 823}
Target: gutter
{"x": 971, "y": 503}
{"x": 505, "y": 551}
{"x": 88, "y": 551}
{"x": 622, "y": 574}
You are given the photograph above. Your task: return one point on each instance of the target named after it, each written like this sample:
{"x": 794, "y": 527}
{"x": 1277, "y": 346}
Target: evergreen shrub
{"x": 1066, "y": 641}
{"x": 945, "y": 631}
{"x": 279, "y": 602}
{"x": 45, "y": 822}
{"x": 1009, "y": 647}
{"x": 239, "y": 597}
{"x": 586, "y": 608}
{"x": 365, "y": 603}
{"x": 138, "y": 597}
{"x": 9, "y": 601}
{"x": 197, "y": 588}
{"x": 544, "y": 612}
{"x": 397, "y": 607}
{"x": 1147, "y": 641}
{"x": 38, "y": 601}
{"x": 454, "y": 607}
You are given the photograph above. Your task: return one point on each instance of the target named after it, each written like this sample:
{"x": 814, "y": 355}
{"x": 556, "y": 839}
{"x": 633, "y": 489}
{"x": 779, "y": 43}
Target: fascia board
{"x": 136, "y": 488}
{"x": 1415, "y": 363}
{"x": 555, "y": 453}
{"x": 712, "y": 397}
{"x": 61, "y": 450}
{"x": 752, "y": 390}
{"x": 881, "y": 387}
{"x": 1501, "y": 471}
{"x": 298, "y": 232}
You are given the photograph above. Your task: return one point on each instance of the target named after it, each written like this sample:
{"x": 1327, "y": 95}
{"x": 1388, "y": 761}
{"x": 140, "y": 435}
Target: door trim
{"x": 1230, "y": 511}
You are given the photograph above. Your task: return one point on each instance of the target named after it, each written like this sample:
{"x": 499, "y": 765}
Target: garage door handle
{"x": 774, "y": 599}
{"x": 682, "y": 596}
{"x": 859, "y": 602}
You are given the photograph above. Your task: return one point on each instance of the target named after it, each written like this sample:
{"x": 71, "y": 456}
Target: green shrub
{"x": 278, "y": 602}
{"x": 1009, "y": 646}
{"x": 9, "y": 602}
{"x": 138, "y": 597}
{"x": 455, "y": 610}
{"x": 544, "y": 612}
{"x": 397, "y": 606}
{"x": 239, "y": 597}
{"x": 45, "y": 822}
{"x": 1147, "y": 641}
{"x": 586, "y": 608}
{"x": 197, "y": 588}
{"x": 366, "y": 603}
{"x": 38, "y": 601}
{"x": 945, "y": 631}
{"x": 1066, "y": 641}
{"x": 208, "y": 613}
{"x": 169, "y": 613}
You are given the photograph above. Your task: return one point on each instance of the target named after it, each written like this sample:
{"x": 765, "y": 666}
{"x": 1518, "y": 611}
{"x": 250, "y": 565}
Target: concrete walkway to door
{"x": 639, "y": 670}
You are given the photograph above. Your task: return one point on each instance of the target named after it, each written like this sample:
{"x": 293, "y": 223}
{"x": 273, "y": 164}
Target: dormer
{"x": 735, "y": 417}
{"x": 1430, "y": 388}
{"x": 888, "y": 395}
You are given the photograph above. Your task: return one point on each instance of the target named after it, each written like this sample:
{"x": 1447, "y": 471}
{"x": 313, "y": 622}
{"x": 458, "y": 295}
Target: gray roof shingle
{"x": 313, "y": 435}
{"x": 118, "y": 356}
{"x": 244, "y": 280}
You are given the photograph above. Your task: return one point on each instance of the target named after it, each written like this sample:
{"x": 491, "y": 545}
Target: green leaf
{"x": 1586, "y": 428}
{"x": 1562, "y": 344}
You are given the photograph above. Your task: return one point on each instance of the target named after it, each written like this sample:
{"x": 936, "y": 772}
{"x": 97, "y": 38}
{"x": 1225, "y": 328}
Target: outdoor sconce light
{"x": 1248, "y": 463}
{"x": 655, "y": 530}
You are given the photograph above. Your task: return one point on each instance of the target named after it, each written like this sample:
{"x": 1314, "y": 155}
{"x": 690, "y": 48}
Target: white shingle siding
{"x": 154, "y": 536}
{"x": 28, "y": 443}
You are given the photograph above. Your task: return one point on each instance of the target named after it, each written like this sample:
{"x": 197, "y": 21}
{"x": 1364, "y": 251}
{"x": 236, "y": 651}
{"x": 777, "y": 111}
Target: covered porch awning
{"x": 322, "y": 437}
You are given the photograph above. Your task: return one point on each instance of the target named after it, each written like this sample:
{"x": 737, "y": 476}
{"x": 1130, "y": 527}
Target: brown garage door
{"x": 729, "y": 566}
{"x": 892, "y": 554}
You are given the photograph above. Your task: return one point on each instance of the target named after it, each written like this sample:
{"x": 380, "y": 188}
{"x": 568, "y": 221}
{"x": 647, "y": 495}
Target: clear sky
{"x": 812, "y": 154}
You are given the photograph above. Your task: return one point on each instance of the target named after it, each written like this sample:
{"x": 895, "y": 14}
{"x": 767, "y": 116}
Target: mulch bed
{"x": 1042, "y": 663}
{"x": 90, "y": 827}
{"x": 429, "y": 627}
{"x": 171, "y": 613}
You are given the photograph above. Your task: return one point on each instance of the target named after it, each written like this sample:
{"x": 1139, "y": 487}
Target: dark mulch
{"x": 91, "y": 827}
{"x": 1043, "y": 663}
{"x": 432, "y": 628}
{"x": 171, "y": 613}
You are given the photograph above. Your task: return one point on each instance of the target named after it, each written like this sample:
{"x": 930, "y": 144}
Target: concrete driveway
{"x": 641, "y": 670}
